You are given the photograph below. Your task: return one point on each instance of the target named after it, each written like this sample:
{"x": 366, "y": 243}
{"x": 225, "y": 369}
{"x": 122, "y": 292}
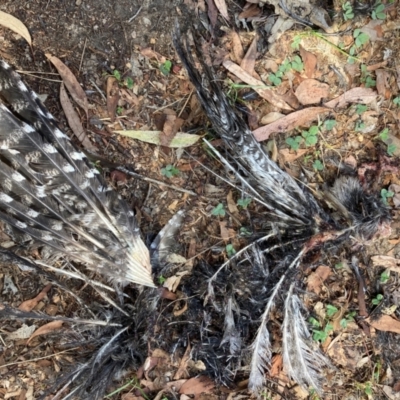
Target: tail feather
{"x": 51, "y": 192}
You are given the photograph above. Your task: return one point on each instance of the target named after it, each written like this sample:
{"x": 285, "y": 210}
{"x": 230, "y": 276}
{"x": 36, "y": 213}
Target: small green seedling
{"x": 377, "y": 300}
{"x": 165, "y": 67}
{"x": 219, "y": 211}
{"x": 396, "y": 101}
{"x": 294, "y": 143}
{"x": 128, "y": 82}
{"x": 320, "y": 335}
{"x": 331, "y": 310}
{"x": 244, "y": 203}
{"x": 378, "y": 11}
{"x": 360, "y": 126}
{"x": 385, "y": 276}
{"x": 386, "y": 194}
{"x": 296, "y": 42}
{"x": 391, "y": 149}
{"x": 161, "y": 279}
{"x": 296, "y": 64}
{"x": 361, "y": 108}
{"x": 348, "y": 12}
{"x": 230, "y": 250}
{"x": 384, "y": 134}
{"x": 244, "y": 232}
{"x": 317, "y": 165}
{"x": 169, "y": 171}
{"x": 329, "y": 124}
{"x": 348, "y": 318}
{"x": 366, "y": 77}
{"x": 360, "y": 38}
{"x": 311, "y": 136}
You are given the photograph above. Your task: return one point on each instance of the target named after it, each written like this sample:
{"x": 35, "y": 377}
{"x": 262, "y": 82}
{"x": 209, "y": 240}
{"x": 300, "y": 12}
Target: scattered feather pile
{"x": 263, "y": 278}
{"x": 53, "y": 199}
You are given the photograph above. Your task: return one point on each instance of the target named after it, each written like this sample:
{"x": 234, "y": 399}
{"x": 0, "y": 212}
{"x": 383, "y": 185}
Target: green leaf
{"x": 294, "y": 143}
{"x": 317, "y": 165}
{"x": 313, "y": 130}
{"x": 311, "y": 140}
{"x": 117, "y": 75}
{"x": 230, "y": 250}
{"x": 384, "y": 276}
{"x": 391, "y": 149}
{"x": 219, "y": 211}
{"x": 329, "y": 124}
{"x": 331, "y": 310}
{"x": 169, "y": 171}
{"x": 129, "y": 82}
{"x": 244, "y": 203}
{"x": 384, "y": 135}
{"x": 165, "y": 68}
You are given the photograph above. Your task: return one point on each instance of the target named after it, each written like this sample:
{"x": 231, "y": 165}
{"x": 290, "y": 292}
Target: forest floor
{"x": 336, "y": 105}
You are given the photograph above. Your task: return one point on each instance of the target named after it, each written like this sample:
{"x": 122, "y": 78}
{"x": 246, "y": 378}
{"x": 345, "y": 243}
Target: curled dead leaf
{"x": 43, "y": 330}
{"x": 10, "y": 22}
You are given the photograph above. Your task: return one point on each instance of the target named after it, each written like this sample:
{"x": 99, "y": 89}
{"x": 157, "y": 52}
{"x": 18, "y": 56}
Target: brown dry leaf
{"x": 249, "y": 60}
{"x": 295, "y": 119}
{"x": 112, "y": 92}
{"x": 237, "y": 48}
{"x": 74, "y": 121}
{"x": 289, "y": 155}
{"x": 373, "y": 29}
{"x": 29, "y": 305}
{"x": 171, "y": 127}
{"x": 385, "y": 323}
{"x": 309, "y": 61}
{"x": 129, "y": 97}
{"x": 131, "y": 396}
{"x": 72, "y": 84}
{"x": 226, "y": 234}
{"x": 10, "y": 22}
{"x": 231, "y": 203}
{"x": 311, "y": 91}
{"x": 356, "y": 95}
{"x": 386, "y": 262}
{"x": 43, "y": 330}
{"x": 196, "y": 386}
{"x": 150, "y": 53}
{"x": 250, "y": 11}
{"x": 212, "y": 12}
{"x": 173, "y": 282}
{"x": 222, "y": 8}
{"x": 257, "y": 85}
{"x": 276, "y": 365}
{"x": 182, "y": 371}
{"x": 179, "y": 311}
{"x": 382, "y": 83}
{"x": 316, "y": 279}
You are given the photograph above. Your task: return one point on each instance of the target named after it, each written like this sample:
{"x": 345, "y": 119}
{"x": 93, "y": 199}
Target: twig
{"x": 137, "y": 13}
{"x": 178, "y": 189}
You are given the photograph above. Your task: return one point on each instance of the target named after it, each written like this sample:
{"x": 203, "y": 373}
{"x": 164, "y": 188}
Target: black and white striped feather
{"x": 51, "y": 195}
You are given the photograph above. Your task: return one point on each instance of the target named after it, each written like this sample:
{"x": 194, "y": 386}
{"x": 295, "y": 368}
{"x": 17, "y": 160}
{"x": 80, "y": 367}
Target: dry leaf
{"x": 43, "y": 330}
{"x": 276, "y": 365}
{"x": 150, "y": 53}
{"x": 226, "y": 234}
{"x": 257, "y": 85}
{"x": 173, "y": 282}
{"x": 70, "y": 81}
{"x": 237, "y": 48}
{"x": 22, "y": 333}
{"x": 180, "y": 140}
{"x": 222, "y": 8}
{"x": 311, "y": 91}
{"x": 74, "y": 121}
{"x": 382, "y": 83}
{"x": 182, "y": 371}
{"x": 309, "y": 61}
{"x": 385, "y": 323}
{"x": 289, "y": 156}
{"x": 231, "y": 203}
{"x": 250, "y": 11}
{"x": 10, "y": 22}
{"x": 295, "y": 119}
{"x": 212, "y": 12}
{"x": 249, "y": 60}
{"x": 196, "y": 386}
{"x": 316, "y": 279}
{"x": 112, "y": 92}
{"x": 355, "y": 95}
{"x": 29, "y": 305}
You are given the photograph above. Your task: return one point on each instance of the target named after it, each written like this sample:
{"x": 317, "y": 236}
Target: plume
{"x": 52, "y": 196}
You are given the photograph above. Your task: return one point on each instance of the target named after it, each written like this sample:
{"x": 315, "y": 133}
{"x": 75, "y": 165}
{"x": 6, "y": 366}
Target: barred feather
{"x": 51, "y": 194}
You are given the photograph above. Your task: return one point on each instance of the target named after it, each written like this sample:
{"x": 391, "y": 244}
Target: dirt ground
{"x": 95, "y": 38}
